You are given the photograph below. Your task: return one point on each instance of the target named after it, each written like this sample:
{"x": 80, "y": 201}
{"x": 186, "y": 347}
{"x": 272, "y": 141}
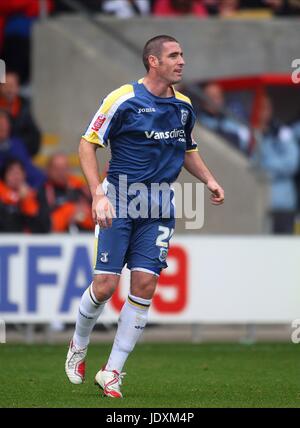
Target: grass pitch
{"x": 158, "y": 375}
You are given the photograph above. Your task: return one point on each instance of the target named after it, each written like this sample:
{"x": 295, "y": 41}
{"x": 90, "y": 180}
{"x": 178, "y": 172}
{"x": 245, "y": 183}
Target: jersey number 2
{"x": 166, "y": 234}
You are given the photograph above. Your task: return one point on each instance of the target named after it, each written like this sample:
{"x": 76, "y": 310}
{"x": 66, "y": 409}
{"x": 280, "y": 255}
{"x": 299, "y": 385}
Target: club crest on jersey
{"x": 184, "y": 116}
{"x": 99, "y": 122}
{"x": 163, "y": 254}
{"x": 104, "y": 257}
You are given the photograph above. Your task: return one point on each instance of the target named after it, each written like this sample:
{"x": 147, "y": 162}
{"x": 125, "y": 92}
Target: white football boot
{"x": 110, "y": 382}
{"x": 75, "y": 364}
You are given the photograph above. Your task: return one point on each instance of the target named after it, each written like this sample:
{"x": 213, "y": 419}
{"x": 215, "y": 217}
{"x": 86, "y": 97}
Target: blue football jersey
{"x": 148, "y": 135}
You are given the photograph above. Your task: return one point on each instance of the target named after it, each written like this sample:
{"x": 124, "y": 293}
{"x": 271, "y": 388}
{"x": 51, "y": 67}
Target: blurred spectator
{"x": 23, "y": 124}
{"x": 179, "y": 7}
{"x": 13, "y": 147}
{"x": 67, "y": 196}
{"x": 212, "y": 116}
{"x": 91, "y": 5}
{"x": 284, "y": 7}
{"x": 235, "y": 8}
{"x": 228, "y": 8}
{"x": 16, "y": 19}
{"x": 277, "y": 153}
{"x": 212, "y": 6}
{"x": 296, "y": 130}
{"x": 252, "y": 4}
{"x": 126, "y": 8}
{"x": 19, "y": 204}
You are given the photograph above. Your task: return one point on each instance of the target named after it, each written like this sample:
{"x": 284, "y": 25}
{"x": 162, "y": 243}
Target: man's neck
{"x": 158, "y": 87}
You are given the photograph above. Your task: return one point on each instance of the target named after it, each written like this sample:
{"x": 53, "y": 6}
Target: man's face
{"x": 14, "y": 177}
{"x": 4, "y": 128}
{"x": 11, "y": 88}
{"x": 266, "y": 111}
{"x": 214, "y": 98}
{"x": 171, "y": 63}
{"x": 58, "y": 170}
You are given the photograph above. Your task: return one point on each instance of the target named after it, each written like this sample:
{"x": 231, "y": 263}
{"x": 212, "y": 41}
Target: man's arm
{"x": 102, "y": 209}
{"x": 194, "y": 164}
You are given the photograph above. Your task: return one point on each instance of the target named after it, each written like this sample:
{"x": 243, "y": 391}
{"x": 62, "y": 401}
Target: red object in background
{"x": 28, "y": 206}
{"x": 165, "y": 8}
{"x": 62, "y": 215}
{"x": 29, "y": 8}
{"x": 178, "y": 281}
{"x": 258, "y": 86}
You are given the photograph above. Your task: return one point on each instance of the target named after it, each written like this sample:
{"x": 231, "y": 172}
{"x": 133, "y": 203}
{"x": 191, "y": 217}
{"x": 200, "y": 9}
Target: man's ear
{"x": 153, "y": 61}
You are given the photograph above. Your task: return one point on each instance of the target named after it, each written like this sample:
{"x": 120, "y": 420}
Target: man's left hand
{"x": 217, "y": 196}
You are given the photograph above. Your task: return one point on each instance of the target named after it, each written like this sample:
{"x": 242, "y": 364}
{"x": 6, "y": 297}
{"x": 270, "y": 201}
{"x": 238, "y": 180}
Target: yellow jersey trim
{"x": 138, "y": 305}
{"x": 113, "y": 97}
{"x": 93, "y": 139}
{"x": 182, "y": 97}
{"x": 107, "y": 110}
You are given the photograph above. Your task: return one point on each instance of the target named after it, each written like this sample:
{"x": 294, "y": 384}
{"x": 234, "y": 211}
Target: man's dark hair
{"x": 154, "y": 47}
{"x": 8, "y": 164}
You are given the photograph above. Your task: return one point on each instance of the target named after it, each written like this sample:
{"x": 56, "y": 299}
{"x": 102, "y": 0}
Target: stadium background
{"x": 233, "y": 280}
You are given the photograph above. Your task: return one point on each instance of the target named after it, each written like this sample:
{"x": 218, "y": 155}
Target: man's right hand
{"x": 103, "y": 211}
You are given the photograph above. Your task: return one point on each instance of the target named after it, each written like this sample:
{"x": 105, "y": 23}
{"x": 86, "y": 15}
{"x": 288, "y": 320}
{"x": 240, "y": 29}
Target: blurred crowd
{"x": 34, "y": 200}
{"x": 272, "y": 146}
{"x": 54, "y": 199}
{"x": 18, "y": 16}
{"x": 199, "y": 8}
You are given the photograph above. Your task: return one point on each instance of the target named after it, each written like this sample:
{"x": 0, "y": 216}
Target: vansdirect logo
{"x": 175, "y": 133}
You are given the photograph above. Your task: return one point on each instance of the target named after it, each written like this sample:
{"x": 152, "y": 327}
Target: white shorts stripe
{"x": 144, "y": 270}
{"x": 104, "y": 272}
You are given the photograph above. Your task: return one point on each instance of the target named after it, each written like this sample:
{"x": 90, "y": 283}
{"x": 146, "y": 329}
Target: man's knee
{"x": 143, "y": 284}
{"x": 104, "y": 286}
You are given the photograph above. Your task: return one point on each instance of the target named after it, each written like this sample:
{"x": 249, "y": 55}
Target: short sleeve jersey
{"x": 148, "y": 135}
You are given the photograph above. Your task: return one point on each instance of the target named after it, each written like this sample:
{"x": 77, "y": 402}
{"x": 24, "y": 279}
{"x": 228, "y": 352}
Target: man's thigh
{"x": 111, "y": 245}
{"x": 149, "y": 245}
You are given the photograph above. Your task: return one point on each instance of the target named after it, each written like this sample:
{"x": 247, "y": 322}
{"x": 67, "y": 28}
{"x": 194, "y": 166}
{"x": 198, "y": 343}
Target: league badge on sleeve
{"x": 99, "y": 122}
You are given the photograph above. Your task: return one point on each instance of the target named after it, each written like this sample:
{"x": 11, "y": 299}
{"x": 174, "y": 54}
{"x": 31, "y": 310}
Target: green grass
{"x": 159, "y": 375}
